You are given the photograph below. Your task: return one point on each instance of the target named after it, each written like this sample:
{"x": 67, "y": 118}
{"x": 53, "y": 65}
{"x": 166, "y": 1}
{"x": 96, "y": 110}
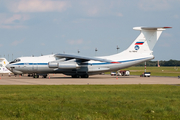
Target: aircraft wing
{"x": 82, "y": 58}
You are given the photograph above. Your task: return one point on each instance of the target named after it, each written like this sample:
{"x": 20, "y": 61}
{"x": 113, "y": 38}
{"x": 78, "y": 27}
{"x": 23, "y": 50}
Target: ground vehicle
{"x": 123, "y": 72}
{"x": 146, "y": 74}
{"x": 113, "y": 73}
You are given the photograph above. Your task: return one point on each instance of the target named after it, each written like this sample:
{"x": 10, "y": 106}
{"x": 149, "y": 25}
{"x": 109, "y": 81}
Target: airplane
{"x": 3, "y": 63}
{"x": 82, "y": 66}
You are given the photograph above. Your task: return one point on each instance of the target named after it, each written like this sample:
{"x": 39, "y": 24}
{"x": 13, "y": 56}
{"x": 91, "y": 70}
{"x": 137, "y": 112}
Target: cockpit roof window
{"x": 16, "y": 60}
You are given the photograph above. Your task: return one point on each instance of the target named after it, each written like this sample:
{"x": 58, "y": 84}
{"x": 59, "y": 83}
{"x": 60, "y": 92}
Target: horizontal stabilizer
{"x": 151, "y": 28}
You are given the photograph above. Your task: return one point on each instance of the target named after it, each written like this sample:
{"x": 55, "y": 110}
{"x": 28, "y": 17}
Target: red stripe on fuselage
{"x": 115, "y": 62}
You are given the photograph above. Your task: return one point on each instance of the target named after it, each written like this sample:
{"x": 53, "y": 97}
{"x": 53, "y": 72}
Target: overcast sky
{"x": 35, "y": 27}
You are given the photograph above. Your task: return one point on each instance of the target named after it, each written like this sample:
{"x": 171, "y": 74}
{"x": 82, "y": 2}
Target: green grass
{"x": 90, "y": 102}
{"x": 156, "y": 71}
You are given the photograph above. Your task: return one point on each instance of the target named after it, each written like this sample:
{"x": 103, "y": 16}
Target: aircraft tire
{"x": 85, "y": 76}
{"x": 44, "y": 76}
{"x": 75, "y": 76}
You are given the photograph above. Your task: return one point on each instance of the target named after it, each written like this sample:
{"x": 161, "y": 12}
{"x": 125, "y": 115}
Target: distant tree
{"x": 162, "y": 63}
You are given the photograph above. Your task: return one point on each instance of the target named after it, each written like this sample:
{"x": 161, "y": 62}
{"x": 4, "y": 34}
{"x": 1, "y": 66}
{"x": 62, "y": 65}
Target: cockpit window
{"x": 16, "y": 60}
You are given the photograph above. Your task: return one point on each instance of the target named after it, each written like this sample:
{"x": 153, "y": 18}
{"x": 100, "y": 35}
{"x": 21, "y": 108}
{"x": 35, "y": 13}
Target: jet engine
{"x": 64, "y": 65}
{"x": 68, "y": 65}
{"x": 53, "y": 65}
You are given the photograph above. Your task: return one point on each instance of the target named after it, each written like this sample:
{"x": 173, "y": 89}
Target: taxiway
{"x": 59, "y": 79}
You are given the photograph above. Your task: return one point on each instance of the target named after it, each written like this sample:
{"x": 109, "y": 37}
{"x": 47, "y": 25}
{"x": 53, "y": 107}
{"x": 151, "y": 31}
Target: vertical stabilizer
{"x": 147, "y": 39}
{"x": 3, "y": 62}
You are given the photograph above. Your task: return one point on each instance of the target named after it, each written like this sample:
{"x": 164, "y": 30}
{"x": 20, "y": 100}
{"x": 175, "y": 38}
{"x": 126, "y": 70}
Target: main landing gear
{"x": 78, "y": 76}
{"x": 37, "y": 76}
{"x": 44, "y": 76}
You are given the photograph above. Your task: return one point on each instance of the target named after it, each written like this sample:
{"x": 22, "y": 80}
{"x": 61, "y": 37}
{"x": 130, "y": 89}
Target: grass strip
{"x": 90, "y": 102}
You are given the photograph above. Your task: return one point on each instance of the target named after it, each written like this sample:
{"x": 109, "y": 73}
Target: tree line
{"x": 161, "y": 63}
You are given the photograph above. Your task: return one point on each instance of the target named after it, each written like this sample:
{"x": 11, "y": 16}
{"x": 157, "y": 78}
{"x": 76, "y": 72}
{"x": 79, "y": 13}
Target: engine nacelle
{"x": 53, "y": 65}
{"x": 63, "y": 65}
{"x": 68, "y": 65}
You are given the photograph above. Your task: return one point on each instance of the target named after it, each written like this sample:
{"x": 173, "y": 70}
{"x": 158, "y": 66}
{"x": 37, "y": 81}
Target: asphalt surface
{"x": 59, "y": 79}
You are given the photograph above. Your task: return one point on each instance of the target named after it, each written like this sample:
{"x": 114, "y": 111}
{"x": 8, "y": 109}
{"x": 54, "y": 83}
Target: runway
{"x": 59, "y": 79}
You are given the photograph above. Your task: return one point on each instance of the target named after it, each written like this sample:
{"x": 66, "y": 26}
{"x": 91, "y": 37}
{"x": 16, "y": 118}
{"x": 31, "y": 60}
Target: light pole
{"x": 117, "y": 48}
{"x": 95, "y": 51}
{"x": 78, "y": 51}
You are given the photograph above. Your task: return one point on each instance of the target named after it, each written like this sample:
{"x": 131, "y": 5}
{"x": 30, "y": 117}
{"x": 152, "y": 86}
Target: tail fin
{"x": 147, "y": 39}
{"x": 3, "y": 62}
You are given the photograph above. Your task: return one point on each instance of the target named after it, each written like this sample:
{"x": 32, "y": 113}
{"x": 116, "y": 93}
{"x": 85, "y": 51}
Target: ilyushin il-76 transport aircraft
{"x": 81, "y": 66}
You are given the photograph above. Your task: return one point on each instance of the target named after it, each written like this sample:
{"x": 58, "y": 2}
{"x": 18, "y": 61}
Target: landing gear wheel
{"x": 44, "y": 76}
{"x": 75, "y": 76}
{"x": 85, "y": 76}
